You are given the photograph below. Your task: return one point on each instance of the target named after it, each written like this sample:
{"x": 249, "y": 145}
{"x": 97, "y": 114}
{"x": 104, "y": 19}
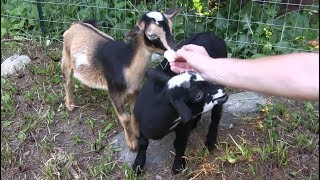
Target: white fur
{"x": 155, "y": 15}
{"x": 209, "y": 106}
{"x": 219, "y": 94}
{"x": 81, "y": 59}
{"x": 177, "y": 80}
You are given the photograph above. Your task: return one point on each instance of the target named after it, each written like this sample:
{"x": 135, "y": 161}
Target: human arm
{"x": 292, "y": 75}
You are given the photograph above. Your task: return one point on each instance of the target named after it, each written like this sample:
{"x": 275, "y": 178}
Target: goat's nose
{"x": 172, "y": 44}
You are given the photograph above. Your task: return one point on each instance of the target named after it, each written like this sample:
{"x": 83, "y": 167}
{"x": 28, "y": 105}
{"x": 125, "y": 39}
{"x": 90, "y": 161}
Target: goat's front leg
{"x": 213, "y": 128}
{"x": 134, "y": 123}
{"x": 124, "y": 118}
{"x": 140, "y": 160}
{"x": 180, "y": 143}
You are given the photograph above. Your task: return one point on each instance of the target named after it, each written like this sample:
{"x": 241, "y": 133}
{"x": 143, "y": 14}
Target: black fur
{"x": 156, "y": 116}
{"x": 113, "y": 57}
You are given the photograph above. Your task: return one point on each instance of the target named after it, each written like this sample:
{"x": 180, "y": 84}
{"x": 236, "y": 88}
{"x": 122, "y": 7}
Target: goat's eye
{"x": 199, "y": 96}
{"x": 152, "y": 36}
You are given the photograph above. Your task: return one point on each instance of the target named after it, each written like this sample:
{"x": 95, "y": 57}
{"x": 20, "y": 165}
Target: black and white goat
{"x": 99, "y": 61}
{"x": 169, "y": 102}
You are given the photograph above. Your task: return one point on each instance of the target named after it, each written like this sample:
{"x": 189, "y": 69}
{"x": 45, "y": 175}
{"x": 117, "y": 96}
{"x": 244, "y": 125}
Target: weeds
{"x": 8, "y": 89}
{"x": 60, "y": 166}
{"x": 47, "y": 145}
{"x": 30, "y": 123}
{"x": 245, "y": 150}
{"x": 7, "y": 156}
{"x": 102, "y": 168}
{"x": 77, "y": 139}
{"x": 129, "y": 173}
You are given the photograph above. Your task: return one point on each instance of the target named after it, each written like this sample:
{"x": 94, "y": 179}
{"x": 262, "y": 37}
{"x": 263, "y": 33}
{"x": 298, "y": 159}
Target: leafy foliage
{"x": 251, "y": 30}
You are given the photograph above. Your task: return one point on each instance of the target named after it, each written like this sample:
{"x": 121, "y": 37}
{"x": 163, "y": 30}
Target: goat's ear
{"x": 135, "y": 30}
{"x": 183, "y": 110}
{"x": 138, "y": 28}
{"x": 158, "y": 76}
{"x": 171, "y": 13}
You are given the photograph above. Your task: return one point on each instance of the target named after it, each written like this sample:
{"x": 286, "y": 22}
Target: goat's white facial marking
{"x": 81, "y": 59}
{"x": 155, "y": 15}
{"x": 178, "y": 80}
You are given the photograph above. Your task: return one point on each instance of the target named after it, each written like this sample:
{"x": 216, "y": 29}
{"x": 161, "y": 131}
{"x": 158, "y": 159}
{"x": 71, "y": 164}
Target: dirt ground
{"x": 40, "y": 139}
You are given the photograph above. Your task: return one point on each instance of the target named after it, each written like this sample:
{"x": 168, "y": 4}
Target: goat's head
{"x": 189, "y": 93}
{"x": 155, "y": 30}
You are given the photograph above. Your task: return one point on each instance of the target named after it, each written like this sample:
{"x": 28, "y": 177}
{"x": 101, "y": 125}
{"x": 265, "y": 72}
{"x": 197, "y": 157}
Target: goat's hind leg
{"x": 124, "y": 118}
{"x": 67, "y": 73}
{"x": 213, "y": 128}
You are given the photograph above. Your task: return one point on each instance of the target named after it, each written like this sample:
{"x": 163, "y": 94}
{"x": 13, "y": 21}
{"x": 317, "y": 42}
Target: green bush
{"x": 253, "y": 30}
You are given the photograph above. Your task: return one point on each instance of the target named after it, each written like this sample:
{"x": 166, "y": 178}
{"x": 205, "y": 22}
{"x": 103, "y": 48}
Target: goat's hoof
{"x": 137, "y": 169}
{"x": 209, "y": 145}
{"x": 178, "y": 165}
{"x": 70, "y": 107}
{"x": 69, "y": 103}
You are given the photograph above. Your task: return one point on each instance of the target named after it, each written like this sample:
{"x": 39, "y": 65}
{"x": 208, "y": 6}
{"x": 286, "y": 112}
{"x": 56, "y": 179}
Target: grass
{"x": 40, "y": 139}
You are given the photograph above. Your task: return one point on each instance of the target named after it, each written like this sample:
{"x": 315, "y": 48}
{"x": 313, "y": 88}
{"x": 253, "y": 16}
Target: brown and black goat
{"x": 99, "y": 61}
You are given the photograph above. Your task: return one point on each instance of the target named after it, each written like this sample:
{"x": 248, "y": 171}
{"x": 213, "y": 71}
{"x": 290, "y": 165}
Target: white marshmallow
{"x": 169, "y": 55}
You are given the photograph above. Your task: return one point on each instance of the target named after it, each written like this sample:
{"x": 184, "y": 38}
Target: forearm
{"x": 283, "y": 75}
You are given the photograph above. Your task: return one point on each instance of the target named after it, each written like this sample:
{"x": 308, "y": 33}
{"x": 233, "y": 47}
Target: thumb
{"x": 188, "y": 56}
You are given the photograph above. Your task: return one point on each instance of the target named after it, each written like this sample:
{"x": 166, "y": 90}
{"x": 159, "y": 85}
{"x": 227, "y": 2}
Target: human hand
{"x": 195, "y": 48}
{"x": 190, "y": 58}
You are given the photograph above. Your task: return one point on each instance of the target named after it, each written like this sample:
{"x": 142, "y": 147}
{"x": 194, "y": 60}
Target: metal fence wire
{"x": 251, "y": 28}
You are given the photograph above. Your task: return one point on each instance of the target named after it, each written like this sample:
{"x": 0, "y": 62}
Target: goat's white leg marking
{"x": 210, "y": 105}
{"x": 81, "y": 58}
{"x": 175, "y": 123}
{"x": 219, "y": 94}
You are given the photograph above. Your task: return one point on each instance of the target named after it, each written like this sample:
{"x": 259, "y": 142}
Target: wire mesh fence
{"x": 251, "y": 28}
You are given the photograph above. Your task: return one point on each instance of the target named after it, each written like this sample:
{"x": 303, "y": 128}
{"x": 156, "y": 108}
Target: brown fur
{"x": 79, "y": 44}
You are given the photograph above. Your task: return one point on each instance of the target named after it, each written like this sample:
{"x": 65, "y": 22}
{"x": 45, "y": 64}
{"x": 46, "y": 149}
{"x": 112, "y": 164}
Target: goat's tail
{"x": 93, "y": 22}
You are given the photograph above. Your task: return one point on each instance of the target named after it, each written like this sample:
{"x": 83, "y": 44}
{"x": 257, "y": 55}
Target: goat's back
{"x": 82, "y": 36}
{"x": 215, "y": 46}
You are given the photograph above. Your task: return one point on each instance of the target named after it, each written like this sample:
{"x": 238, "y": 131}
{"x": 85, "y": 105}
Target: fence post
{"x": 41, "y": 18}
